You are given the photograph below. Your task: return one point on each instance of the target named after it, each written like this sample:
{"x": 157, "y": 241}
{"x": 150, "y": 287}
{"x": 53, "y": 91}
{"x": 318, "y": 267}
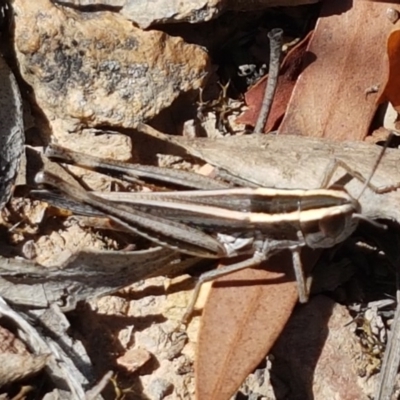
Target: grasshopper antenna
{"x": 378, "y": 160}
{"x": 361, "y": 217}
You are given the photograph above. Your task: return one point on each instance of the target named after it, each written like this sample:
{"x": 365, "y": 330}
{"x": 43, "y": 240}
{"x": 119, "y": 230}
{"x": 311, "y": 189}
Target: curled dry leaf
{"x": 84, "y": 275}
{"x": 11, "y": 131}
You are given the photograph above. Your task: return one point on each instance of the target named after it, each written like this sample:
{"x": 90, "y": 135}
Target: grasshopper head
{"x": 330, "y": 225}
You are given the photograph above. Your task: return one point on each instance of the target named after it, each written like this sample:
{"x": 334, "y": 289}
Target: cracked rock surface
{"x": 96, "y": 69}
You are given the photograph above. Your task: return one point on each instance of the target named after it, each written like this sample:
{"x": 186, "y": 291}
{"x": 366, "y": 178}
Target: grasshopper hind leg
{"x": 268, "y": 249}
{"x": 218, "y": 273}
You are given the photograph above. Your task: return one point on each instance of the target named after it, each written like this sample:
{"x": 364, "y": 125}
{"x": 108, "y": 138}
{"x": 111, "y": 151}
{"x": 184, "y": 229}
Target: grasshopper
{"x": 224, "y": 222}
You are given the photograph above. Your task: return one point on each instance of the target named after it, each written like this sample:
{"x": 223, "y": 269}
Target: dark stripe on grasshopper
{"x": 260, "y": 200}
{"x": 175, "y": 235}
{"x": 324, "y": 216}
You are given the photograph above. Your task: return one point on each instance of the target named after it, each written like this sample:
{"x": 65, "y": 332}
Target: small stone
{"x": 134, "y": 359}
{"x": 159, "y": 388}
{"x": 392, "y": 15}
{"x": 29, "y": 250}
{"x": 146, "y": 13}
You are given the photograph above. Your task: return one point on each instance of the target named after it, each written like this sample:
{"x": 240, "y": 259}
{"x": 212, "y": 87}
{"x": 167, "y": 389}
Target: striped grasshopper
{"x": 223, "y": 222}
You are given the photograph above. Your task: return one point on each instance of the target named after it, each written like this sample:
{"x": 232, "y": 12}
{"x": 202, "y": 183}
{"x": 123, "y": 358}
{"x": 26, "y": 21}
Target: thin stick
{"x": 94, "y": 393}
{"x": 391, "y": 359}
{"x": 275, "y": 40}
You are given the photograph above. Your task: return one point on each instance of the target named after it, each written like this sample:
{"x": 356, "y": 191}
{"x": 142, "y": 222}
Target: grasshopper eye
{"x": 337, "y": 227}
{"x": 333, "y": 226}
{"x": 330, "y": 229}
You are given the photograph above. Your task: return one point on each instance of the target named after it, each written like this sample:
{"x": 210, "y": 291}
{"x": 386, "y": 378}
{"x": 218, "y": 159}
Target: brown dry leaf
{"x": 391, "y": 90}
{"x": 244, "y": 314}
{"x": 290, "y": 70}
{"x": 345, "y": 59}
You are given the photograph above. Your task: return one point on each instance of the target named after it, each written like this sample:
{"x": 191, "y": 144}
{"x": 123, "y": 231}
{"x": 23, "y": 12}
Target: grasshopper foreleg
{"x": 303, "y": 284}
{"x": 335, "y": 164}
